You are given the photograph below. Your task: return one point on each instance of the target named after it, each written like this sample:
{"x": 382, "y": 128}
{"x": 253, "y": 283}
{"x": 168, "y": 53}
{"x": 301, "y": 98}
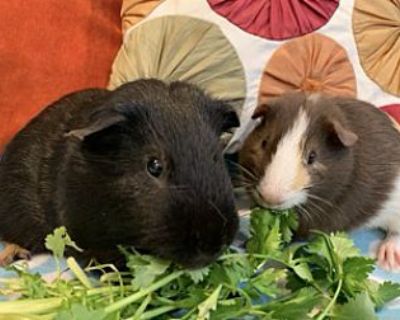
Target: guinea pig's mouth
{"x": 291, "y": 200}
{"x": 199, "y": 261}
{"x": 190, "y": 261}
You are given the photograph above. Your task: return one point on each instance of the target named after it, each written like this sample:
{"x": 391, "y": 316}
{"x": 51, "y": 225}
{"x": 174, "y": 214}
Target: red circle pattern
{"x": 276, "y": 19}
{"x": 393, "y": 110}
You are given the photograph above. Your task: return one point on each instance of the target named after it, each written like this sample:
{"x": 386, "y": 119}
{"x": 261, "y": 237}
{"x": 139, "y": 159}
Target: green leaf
{"x": 303, "y": 271}
{"x": 356, "y": 271}
{"x": 269, "y": 230}
{"x": 231, "y": 272}
{"x": 361, "y": 307}
{"x": 273, "y": 241}
{"x": 58, "y": 240}
{"x": 268, "y": 281}
{"x": 80, "y": 312}
{"x": 208, "y": 305}
{"x": 230, "y": 309}
{"x": 269, "y": 243}
{"x": 33, "y": 284}
{"x": 289, "y": 223}
{"x": 298, "y": 306}
{"x": 146, "y": 269}
{"x": 199, "y": 274}
{"x": 343, "y": 246}
{"x": 320, "y": 252}
{"x": 238, "y": 311}
{"x": 385, "y": 292}
{"x": 290, "y": 251}
{"x": 261, "y": 221}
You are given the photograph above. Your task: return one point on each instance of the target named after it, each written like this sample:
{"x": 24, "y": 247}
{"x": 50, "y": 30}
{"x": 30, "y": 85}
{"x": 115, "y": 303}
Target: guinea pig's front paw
{"x": 388, "y": 254}
{"x": 12, "y": 251}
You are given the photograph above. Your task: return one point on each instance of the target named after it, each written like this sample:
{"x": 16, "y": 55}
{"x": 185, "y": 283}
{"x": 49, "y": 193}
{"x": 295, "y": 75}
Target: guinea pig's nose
{"x": 271, "y": 197}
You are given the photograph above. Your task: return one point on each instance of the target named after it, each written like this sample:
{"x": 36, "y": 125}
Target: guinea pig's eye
{"x": 312, "y": 156}
{"x": 154, "y": 167}
{"x": 264, "y": 144}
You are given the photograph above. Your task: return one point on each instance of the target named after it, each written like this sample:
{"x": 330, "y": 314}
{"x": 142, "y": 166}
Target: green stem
{"x": 241, "y": 255}
{"x": 189, "y": 313}
{"x": 331, "y": 250}
{"x": 58, "y": 267}
{"x": 18, "y": 316}
{"x": 143, "y": 292}
{"x": 244, "y": 293}
{"x": 30, "y": 306}
{"x": 164, "y": 300}
{"x": 254, "y": 311}
{"x": 332, "y": 302}
{"x": 318, "y": 288}
{"x": 156, "y": 312}
{"x": 102, "y": 290}
{"x": 79, "y": 273}
{"x": 142, "y": 308}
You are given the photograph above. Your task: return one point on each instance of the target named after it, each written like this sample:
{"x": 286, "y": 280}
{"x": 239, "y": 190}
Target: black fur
{"x": 82, "y": 163}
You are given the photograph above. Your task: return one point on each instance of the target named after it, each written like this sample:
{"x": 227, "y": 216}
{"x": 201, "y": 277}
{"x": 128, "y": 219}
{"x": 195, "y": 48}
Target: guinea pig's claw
{"x": 11, "y": 252}
{"x": 388, "y": 254}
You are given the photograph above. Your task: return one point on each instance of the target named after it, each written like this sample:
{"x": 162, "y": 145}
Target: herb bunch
{"x": 323, "y": 278}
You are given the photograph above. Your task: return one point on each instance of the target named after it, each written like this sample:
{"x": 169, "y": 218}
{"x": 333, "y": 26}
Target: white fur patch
{"x": 388, "y": 217}
{"x": 314, "y": 97}
{"x": 280, "y": 174}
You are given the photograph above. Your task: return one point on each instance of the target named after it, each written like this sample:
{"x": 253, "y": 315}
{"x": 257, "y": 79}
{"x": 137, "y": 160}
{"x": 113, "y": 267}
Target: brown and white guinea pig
{"x": 336, "y": 160}
{"x": 140, "y": 166}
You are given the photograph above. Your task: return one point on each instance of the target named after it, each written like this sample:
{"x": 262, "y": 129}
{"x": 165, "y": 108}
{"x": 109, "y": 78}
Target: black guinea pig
{"x": 141, "y": 165}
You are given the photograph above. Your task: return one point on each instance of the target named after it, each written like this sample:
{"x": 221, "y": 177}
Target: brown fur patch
{"x": 302, "y": 178}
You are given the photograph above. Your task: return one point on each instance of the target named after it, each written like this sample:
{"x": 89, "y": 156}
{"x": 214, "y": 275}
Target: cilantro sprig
{"x": 275, "y": 279}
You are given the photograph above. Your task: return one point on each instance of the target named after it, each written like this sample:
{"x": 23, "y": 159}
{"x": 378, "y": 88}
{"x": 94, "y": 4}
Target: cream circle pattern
{"x": 376, "y": 26}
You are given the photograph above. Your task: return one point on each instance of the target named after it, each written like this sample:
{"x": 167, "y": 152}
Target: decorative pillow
{"x": 49, "y": 48}
{"x": 281, "y": 45}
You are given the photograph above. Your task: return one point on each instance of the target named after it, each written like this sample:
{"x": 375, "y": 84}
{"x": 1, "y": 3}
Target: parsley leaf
{"x": 80, "y": 312}
{"x": 58, "y": 241}
{"x": 145, "y": 269}
{"x": 199, "y": 274}
{"x": 361, "y": 307}
{"x": 384, "y": 292}
{"x": 208, "y": 305}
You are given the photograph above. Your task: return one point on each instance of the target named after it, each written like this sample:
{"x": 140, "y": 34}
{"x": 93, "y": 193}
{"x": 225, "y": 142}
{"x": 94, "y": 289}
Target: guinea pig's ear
{"x": 339, "y": 133}
{"x": 260, "y": 111}
{"x": 263, "y": 109}
{"x": 101, "y": 121}
{"x": 104, "y": 136}
{"x": 222, "y": 116}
